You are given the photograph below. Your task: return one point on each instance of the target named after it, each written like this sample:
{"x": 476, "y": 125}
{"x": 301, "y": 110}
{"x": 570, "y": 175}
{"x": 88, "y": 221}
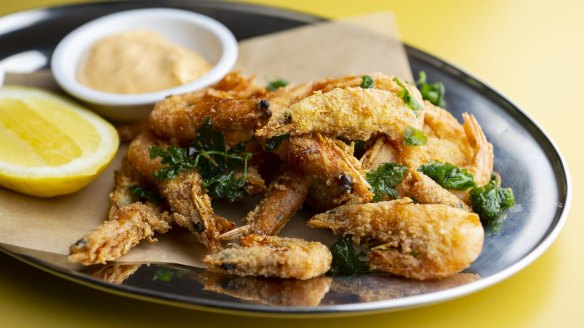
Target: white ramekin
{"x": 187, "y": 29}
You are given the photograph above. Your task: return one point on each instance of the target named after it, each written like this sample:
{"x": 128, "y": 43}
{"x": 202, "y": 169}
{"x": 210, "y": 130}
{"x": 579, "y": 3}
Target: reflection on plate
{"x": 526, "y": 158}
{"x": 278, "y": 292}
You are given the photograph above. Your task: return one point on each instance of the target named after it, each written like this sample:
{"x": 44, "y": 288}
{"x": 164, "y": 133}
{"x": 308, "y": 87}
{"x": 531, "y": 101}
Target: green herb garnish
{"x": 145, "y": 194}
{"x": 448, "y": 175}
{"x": 209, "y": 155}
{"x": 167, "y": 274}
{"x": 433, "y": 92}
{"x": 414, "y": 137}
{"x": 206, "y": 138}
{"x": 275, "y": 142}
{"x": 406, "y": 96}
{"x": 346, "y": 262}
{"x": 384, "y": 179}
{"x": 276, "y": 84}
{"x": 226, "y": 186}
{"x": 176, "y": 159}
{"x": 367, "y": 82}
{"x": 490, "y": 201}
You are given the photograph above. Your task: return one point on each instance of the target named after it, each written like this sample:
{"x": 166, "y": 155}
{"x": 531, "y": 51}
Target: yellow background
{"x": 530, "y": 50}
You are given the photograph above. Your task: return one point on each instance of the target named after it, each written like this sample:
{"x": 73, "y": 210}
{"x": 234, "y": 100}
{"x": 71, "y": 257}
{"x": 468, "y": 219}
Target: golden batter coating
{"x": 351, "y": 113}
{"x": 329, "y": 160}
{"x": 272, "y": 256}
{"x": 180, "y": 116}
{"x": 186, "y": 197}
{"x": 380, "y": 81}
{"x": 128, "y": 131}
{"x": 139, "y": 154}
{"x": 235, "y": 103}
{"x": 121, "y": 196}
{"x": 284, "y": 198}
{"x": 415, "y": 184}
{"x": 419, "y": 241}
{"x": 446, "y": 139}
{"x": 115, "y": 237}
{"x": 283, "y": 98}
{"x": 322, "y": 197}
{"x": 236, "y": 86}
{"x": 423, "y": 189}
{"x": 254, "y": 183}
{"x": 482, "y": 160}
{"x": 381, "y": 152}
{"x": 465, "y": 145}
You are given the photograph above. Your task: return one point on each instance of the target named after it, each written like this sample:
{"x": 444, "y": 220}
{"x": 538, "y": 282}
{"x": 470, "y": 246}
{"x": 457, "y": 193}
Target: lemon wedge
{"x": 50, "y": 146}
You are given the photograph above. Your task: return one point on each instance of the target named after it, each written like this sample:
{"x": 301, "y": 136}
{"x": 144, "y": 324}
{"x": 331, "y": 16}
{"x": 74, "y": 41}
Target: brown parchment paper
{"x": 354, "y": 46}
{"x": 49, "y": 226}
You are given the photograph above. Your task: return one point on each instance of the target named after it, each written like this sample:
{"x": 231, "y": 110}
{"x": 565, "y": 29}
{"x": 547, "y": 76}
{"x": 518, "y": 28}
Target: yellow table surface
{"x": 530, "y": 50}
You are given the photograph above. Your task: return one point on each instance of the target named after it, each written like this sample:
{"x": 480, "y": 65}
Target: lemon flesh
{"x": 48, "y": 145}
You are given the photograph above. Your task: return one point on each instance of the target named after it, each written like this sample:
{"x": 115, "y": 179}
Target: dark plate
{"x": 526, "y": 158}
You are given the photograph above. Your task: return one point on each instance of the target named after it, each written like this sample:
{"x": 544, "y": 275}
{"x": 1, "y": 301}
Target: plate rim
{"x": 252, "y": 309}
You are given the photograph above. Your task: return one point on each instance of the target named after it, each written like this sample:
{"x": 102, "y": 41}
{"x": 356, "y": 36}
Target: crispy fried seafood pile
{"x": 383, "y": 167}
